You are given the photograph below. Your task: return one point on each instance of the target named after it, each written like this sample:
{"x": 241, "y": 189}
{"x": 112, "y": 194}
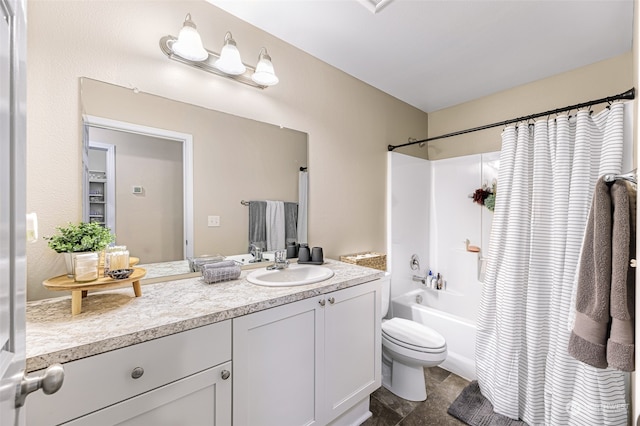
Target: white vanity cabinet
{"x": 184, "y": 378}
{"x": 308, "y": 362}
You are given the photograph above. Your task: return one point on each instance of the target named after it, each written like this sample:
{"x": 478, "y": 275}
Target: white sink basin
{"x": 291, "y": 276}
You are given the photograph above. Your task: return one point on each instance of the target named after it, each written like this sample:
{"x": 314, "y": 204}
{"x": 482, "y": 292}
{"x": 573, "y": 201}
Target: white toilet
{"x": 407, "y": 347}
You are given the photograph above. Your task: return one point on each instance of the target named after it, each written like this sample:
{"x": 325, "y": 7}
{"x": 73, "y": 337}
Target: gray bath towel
{"x": 620, "y": 346}
{"x": 602, "y": 335}
{"x": 257, "y": 224}
{"x": 290, "y": 222}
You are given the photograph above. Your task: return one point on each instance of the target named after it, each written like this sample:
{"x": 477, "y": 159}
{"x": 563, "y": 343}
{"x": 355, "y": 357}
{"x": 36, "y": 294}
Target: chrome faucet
{"x": 280, "y": 260}
{"x": 256, "y": 252}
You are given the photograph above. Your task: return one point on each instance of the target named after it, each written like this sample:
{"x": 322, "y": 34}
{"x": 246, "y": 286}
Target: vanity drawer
{"x": 101, "y": 380}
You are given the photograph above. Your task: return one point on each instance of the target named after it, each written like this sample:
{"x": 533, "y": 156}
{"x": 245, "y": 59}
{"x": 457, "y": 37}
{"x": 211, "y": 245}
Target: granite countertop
{"x": 115, "y": 319}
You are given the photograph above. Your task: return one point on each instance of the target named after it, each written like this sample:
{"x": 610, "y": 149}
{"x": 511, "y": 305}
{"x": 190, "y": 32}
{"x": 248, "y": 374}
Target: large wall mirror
{"x": 169, "y": 166}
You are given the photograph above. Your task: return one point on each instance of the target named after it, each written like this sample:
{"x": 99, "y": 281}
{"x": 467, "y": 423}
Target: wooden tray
{"x": 79, "y": 290}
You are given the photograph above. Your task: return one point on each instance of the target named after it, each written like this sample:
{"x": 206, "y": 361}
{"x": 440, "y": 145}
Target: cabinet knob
{"x": 322, "y": 302}
{"x": 137, "y": 372}
{"x": 332, "y": 300}
{"x": 225, "y": 374}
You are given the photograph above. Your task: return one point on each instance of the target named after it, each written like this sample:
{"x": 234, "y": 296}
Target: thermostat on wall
{"x": 136, "y": 189}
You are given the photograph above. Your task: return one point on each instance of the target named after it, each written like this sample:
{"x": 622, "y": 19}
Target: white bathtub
{"x": 440, "y": 310}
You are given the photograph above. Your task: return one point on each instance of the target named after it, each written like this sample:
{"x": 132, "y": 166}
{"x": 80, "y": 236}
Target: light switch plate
{"x": 213, "y": 221}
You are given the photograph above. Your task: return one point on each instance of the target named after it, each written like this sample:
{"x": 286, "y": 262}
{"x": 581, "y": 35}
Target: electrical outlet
{"x": 213, "y": 221}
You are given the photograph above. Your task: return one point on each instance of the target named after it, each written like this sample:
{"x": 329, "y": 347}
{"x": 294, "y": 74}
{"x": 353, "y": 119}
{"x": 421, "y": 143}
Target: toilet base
{"x": 405, "y": 381}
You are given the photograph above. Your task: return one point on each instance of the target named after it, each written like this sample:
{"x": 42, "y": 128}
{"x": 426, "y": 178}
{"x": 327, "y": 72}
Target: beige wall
{"x": 349, "y": 123}
{"x": 596, "y": 81}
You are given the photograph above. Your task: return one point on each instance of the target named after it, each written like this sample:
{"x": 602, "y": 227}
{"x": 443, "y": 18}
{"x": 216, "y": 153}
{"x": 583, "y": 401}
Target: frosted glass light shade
{"x": 264, "y": 74}
{"x": 230, "y": 61}
{"x": 189, "y": 44}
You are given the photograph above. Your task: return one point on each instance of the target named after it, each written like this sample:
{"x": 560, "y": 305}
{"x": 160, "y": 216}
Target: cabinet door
{"x": 198, "y": 400}
{"x": 352, "y": 346}
{"x": 277, "y": 356}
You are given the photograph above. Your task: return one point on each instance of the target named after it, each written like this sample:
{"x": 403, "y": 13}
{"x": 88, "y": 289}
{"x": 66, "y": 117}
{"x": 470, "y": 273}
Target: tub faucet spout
{"x": 420, "y": 279}
{"x": 256, "y": 252}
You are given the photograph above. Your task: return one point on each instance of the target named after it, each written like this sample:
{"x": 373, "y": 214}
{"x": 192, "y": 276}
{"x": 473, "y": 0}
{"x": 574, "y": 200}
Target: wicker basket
{"x": 369, "y": 259}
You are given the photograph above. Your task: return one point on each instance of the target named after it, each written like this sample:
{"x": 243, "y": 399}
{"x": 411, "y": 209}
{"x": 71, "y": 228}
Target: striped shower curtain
{"x": 547, "y": 175}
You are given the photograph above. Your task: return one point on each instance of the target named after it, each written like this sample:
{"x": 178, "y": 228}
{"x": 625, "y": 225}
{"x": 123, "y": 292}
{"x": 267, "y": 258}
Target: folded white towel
{"x": 275, "y": 225}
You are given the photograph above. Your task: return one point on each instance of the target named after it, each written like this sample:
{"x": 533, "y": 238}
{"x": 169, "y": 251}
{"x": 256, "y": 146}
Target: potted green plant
{"x": 77, "y": 238}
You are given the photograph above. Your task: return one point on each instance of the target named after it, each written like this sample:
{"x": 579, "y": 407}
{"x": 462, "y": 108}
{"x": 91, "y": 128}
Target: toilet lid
{"x": 410, "y": 333}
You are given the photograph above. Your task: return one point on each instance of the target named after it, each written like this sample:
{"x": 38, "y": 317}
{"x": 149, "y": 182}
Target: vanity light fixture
{"x": 230, "y": 62}
{"x": 189, "y": 45}
{"x": 264, "y": 74}
{"x": 188, "y": 49}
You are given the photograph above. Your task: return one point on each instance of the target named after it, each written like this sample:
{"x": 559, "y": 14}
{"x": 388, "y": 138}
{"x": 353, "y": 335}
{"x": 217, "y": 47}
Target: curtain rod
{"x": 629, "y": 94}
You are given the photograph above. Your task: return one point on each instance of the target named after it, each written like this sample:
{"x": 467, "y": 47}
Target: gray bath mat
{"x": 476, "y": 410}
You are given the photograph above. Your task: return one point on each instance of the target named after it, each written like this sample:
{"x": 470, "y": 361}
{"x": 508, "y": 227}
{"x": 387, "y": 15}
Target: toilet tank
{"x": 386, "y": 293}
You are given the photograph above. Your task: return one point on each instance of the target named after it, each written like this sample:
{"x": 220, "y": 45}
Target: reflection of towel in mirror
{"x": 275, "y": 225}
{"x": 290, "y": 222}
{"x": 257, "y": 224}
{"x": 303, "y": 184}
{"x": 603, "y": 332}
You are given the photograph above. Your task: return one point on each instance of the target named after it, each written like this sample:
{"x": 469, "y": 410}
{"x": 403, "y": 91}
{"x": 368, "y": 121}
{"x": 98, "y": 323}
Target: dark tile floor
{"x": 443, "y": 388}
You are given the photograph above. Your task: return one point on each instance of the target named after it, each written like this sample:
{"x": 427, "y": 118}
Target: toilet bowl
{"x": 407, "y": 347}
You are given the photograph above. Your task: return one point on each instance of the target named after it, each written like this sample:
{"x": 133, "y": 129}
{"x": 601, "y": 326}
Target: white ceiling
{"x": 433, "y": 54}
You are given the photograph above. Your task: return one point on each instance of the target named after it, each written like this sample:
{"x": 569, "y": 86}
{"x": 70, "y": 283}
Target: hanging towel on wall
{"x": 275, "y": 225}
{"x": 603, "y": 332}
{"x": 257, "y": 224}
{"x": 621, "y": 344}
{"x": 290, "y": 222}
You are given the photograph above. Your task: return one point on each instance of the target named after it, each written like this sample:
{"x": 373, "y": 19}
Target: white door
{"x": 12, "y": 206}
{"x": 352, "y": 347}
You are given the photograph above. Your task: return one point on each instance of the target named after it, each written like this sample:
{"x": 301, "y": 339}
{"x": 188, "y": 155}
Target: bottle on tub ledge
{"x": 435, "y": 281}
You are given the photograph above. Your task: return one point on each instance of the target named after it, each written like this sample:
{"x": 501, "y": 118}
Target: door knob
{"x": 332, "y": 300}
{"x": 322, "y": 302}
{"x": 50, "y": 381}
{"x": 225, "y": 374}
